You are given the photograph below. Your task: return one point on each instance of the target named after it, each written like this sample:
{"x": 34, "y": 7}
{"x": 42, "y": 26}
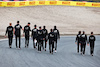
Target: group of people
{"x": 81, "y": 40}
{"x": 40, "y": 36}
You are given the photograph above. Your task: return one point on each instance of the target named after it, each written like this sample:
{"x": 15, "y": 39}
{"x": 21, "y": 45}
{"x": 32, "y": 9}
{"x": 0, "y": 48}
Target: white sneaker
{"x": 55, "y": 51}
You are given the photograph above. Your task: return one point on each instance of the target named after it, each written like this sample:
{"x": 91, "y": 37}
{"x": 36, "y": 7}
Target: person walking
{"x": 9, "y": 30}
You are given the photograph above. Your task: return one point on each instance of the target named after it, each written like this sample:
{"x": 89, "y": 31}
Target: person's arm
{"x": 46, "y": 35}
{"x": 76, "y": 38}
{"x": 86, "y": 37}
{"x": 80, "y": 40}
{"x": 88, "y": 41}
{"x": 23, "y": 31}
{"x": 6, "y": 31}
{"x": 14, "y": 29}
{"x": 32, "y": 33}
{"x": 94, "y": 38}
{"x": 58, "y": 34}
{"x": 29, "y": 29}
{"x": 21, "y": 27}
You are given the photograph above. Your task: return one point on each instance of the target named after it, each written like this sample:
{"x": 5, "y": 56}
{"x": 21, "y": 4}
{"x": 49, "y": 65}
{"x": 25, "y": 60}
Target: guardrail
{"x": 35, "y": 3}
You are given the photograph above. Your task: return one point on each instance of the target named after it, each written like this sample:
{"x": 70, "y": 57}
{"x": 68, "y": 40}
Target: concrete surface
{"x": 66, "y": 56}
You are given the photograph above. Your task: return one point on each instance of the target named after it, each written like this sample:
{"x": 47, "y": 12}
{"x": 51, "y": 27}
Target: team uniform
{"x": 51, "y": 38}
{"x": 9, "y": 30}
{"x": 57, "y": 35}
{"x": 34, "y": 36}
{"x": 92, "y": 43}
{"x": 78, "y": 38}
{"x": 83, "y": 43}
{"x": 40, "y": 39}
{"x": 18, "y": 33}
{"x": 45, "y": 37}
{"x": 27, "y": 35}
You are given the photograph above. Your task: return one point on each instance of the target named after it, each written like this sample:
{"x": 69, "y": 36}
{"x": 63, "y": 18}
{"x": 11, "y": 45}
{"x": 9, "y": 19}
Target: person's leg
{"x": 9, "y": 41}
{"x": 25, "y": 42}
{"x": 52, "y": 46}
{"x": 42, "y": 44}
{"x": 16, "y": 42}
{"x": 84, "y": 46}
{"x": 45, "y": 44}
{"x": 93, "y": 49}
{"x": 19, "y": 41}
{"x": 81, "y": 48}
{"x": 38, "y": 47}
{"x": 55, "y": 45}
{"x": 90, "y": 49}
{"x": 78, "y": 47}
{"x": 34, "y": 43}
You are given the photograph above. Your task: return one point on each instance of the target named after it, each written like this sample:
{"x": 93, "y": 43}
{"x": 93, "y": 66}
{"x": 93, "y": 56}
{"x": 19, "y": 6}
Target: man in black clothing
{"x": 40, "y": 38}
{"x": 78, "y": 38}
{"x": 17, "y": 31}
{"x": 57, "y": 36}
{"x": 51, "y": 37}
{"x": 83, "y": 42}
{"x": 92, "y": 43}
{"x": 45, "y": 35}
{"x": 34, "y": 36}
{"x": 9, "y": 30}
{"x": 27, "y": 34}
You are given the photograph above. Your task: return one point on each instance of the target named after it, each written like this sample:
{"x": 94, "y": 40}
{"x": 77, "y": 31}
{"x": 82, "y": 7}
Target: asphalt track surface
{"x": 66, "y": 56}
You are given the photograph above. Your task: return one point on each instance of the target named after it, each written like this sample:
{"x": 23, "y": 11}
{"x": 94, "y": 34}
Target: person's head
{"x": 91, "y": 33}
{"x": 35, "y": 26}
{"x": 17, "y": 22}
{"x": 10, "y": 24}
{"x": 28, "y": 23}
{"x": 44, "y": 27}
{"x": 79, "y": 32}
{"x": 40, "y": 28}
{"x": 51, "y": 30}
{"x": 83, "y": 32}
{"x": 55, "y": 27}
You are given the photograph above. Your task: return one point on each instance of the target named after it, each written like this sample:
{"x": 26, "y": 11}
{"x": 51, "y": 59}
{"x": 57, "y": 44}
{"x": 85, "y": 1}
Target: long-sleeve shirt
{"x": 9, "y": 30}
{"x": 27, "y": 30}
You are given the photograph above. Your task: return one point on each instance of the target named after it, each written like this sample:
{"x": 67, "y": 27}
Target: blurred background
{"x": 55, "y": 0}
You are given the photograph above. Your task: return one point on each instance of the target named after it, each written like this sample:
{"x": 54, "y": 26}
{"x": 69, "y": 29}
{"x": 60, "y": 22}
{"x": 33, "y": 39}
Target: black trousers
{"x": 78, "y": 46}
{"x": 51, "y": 46}
{"x": 91, "y": 47}
{"x": 44, "y": 42}
{"x": 34, "y": 45}
{"x": 55, "y": 44}
{"x": 18, "y": 37}
{"x": 10, "y": 40}
{"x": 83, "y": 46}
{"x": 27, "y": 41}
{"x": 39, "y": 45}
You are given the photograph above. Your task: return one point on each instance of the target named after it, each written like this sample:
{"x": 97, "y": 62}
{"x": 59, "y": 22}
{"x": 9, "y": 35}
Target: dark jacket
{"x": 9, "y": 30}
{"x": 18, "y": 30}
{"x": 56, "y": 32}
{"x": 78, "y": 38}
{"x": 34, "y": 33}
{"x": 27, "y": 30}
{"x": 83, "y": 38}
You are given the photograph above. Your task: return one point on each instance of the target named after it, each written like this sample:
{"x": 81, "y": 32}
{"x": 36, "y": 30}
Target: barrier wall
{"x": 34, "y": 3}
